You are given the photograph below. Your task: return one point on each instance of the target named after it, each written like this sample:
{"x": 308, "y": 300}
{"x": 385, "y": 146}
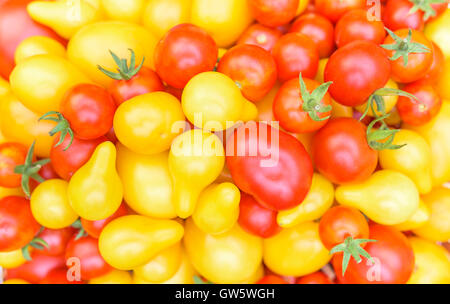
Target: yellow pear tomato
{"x": 38, "y": 45}
{"x": 113, "y": 277}
{"x": 418, "y": 219}
{"x": 12, "y": 259}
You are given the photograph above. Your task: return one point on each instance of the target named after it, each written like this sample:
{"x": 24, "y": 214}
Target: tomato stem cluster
{"x": 62, "y": 126}
{"x": 125, "y": 71}
{"x": 312, "y": 102}
{"x": 425, "y": 6}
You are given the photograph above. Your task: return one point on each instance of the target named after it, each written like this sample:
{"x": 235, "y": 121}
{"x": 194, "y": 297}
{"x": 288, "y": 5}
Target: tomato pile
{"x": 224, "y": 141}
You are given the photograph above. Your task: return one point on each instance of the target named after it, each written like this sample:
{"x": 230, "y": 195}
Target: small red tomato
{"x": 91, "y": 262}
{"x": 396, "y": 16}
{"x": 56, "y": 239}
{"x": 48, "y": 172}
{"x": 252, "y": 68}
{"x": 94, "y": 228}
{"x": 314, "y": 278}
{"x": 273, "y": 13}
{"x": 295, "y": 53}
{"x": 11, "y": 155}
{"x": 294, "y": 113}
{"x": 354, "y": 25}
{"x": 260, "y": 35}
{"x": 436, "y": 67}
{"x": 256, "y": 219}
{"x": 334, "y": 9}
{"x": 271, "y": 279}
{"x": 319, "y": 29}
{"x": 58, "y": 276}
{"x": 17, "y": 224}
{"x": 420, "y": 112}
{"x": 185, "y": 51}
{"x": 341, "y": 152}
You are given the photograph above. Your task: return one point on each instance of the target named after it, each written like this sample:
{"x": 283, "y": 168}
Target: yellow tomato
{"x": 437, "y": 228}
{"x": 38, "y": 45}
{"x": 418, "y": 219}
{"x": 12, "y": 259}
{"x": 15, "y": 281}
{"x": 4, "y": 87}
{"x": 306, "y": 139}
{"x": 432, "y": 265}
{"x": 50, "y": 204}
{"x": 319, "y": 199}
{"x": 224, "y": 20}
{"x": 389, "y": 101}
{"x": 148, "y": 123}
{"x": 265, "y": 105}
{"x": 44, "y": 93}
{"x": 124, "y": 10}
{"x": 233, "y": 256}
{"x": 321, "y": 70}
{"x": 91, "y": 46}
{"x": 131, "y": 241}
{"x": 4, "y": 192}
{"x": 442, "y": 85}
{"x": 302, "y": 5}
{"x": 113, "y": 277}
{"x": 296, "y": 251}
{"x": 437, "y": 31}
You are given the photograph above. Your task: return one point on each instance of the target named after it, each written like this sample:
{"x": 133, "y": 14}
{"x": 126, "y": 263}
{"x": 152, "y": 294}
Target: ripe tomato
{"x": 341, "y": 153}
{"x": 91, "y": 262}
{"x": 334, "y": 9}
{"x": 252, "y": 68}
{"x": 357, "y": 70}
{"x": 273, "y": 13}
{"x": 58, "y": 276}
{"x": 392, "y": 254}
{"x": 295, "y": 53}
{"x": 185, "y": 51}
{"x": 271, "y": 279}
{"x": 314, "y": 278}
{"x": 260, "y": 35}
{"x": 437, "y": 66}
{"x": 18, "y": 227}
{"x": 396, "y": 16}
{"x": 94, "y": 228}
{"x": 256, "y": 219}
{"x": 420, "y": 112}
{"x": 354, "y": 25}
{"x": 11, "y": 155}
{"x": 319, "y": 29}
{"x": 56, "y": 239}
{"x": 89, "y": 110}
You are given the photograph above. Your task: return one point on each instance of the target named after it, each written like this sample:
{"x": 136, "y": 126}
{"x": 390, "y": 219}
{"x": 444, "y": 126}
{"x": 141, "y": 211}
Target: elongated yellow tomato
{"x": 161, "y": 15}
{"x": 437, "y": 228}
{"x": 389, "y": 101}
{"x": 50, "y": 204}
{"x": 38, "y": 45}
{"x": 224, "y": 20}
{"x": 437, "y": 31}
{"x": 147, "y": 185}
{"x": 387, "y": 197}
{"x": 16, "y": 281}
{"x": 319, "y": 199}
{"x": 113, "y": 277}
{"x": 432, "y": 265}
{"x": 196, "y": 159}
{"x": 217, "y": 209}
{"x": 442, "y": 85}
{"x": 213, "y": 101}
{"x": 148, "y": 123}
{"x": 163, "y": 266}
{"x": 131, "y": 241}
{"x": 20, "y": 124}
{"x": 4, "y": 192}
{"x": 418, "y": 219}
{"x": 124, "y": 10}
{"x": 413, "y": 160}
{"x": 44, "y": 93}
{"x": 95, "y": 190}
{"x": 65, "y": 17}
{"x": 12, "y": 259}
{"x": 233, "y": 256}
{"x": 296, "y": 251}
{"x": 91, "y": 46}
{"x": 436, "y": 134}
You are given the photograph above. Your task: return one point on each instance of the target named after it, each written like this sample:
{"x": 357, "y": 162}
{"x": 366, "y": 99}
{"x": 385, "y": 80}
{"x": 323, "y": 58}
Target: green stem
{"x": 62, "y": 126}
{"x": 125, "y": 71}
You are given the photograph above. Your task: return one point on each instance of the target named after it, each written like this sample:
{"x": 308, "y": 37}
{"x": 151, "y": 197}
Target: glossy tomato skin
{"x": 56, "y": 239}
{"x": 273, "y": 13}
{"x": 271, "y": 279}
{"x": 185, "y": 51}
{"x": 67, "y": 162}
{"x": 58, "y": 276}
{"x": 354, "y": 25}
{"x": 396, "y": 16}
{"x": 393, "y": 255}
{"x": 260, "y": 35}
{"x": 319, "y": 29}
{"x": 288, "y": 103}
{"x": 256, "y": 219}
{"x": 94, "y": 228}
{"x": 11, "y": 155}
{"x": 341, "y": 152}
{"x": 252, "y": 67}
{"x": 357, "y": 70}
{"x": 89, "y": 109}
{"x": 145, "y": 81}
{"x": 334, "y": 9}
{"x": 91, "y": 262}
{"x": 420, "y": 112}
{"x": 295, "y": 53}
{"x": 314, "y": 278}
{"x": 18, "y": 226}
{"x": 436, "y": 67}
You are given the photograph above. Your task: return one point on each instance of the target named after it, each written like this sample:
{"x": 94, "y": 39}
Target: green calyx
{"x": 312, "y": 102}
{"x": 351, "y": 248}
{"x": 81, "y": 232}
{"x": 404, "y": 46}
{"x": 425, "y": 7}
{"x": 198, "y": 280}
{"x": 62, "y": 126}
{"x": 36, "y": 243}
{"x": 125, "y": 71}
{"x": 30, "y": 169}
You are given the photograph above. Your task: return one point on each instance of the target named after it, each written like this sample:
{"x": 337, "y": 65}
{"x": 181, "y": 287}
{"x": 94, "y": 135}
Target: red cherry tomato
{"x": 314, "y": 278}
{"x": 396, "y": 16}
{"x": 271, "y": 279}
{"x": 94, "y": 228}
{"x": 437, "y": 65}
{"x": 319, "y": 29}
{"x": 185, "y": 51}
{"x": 295, "y": 53}
{"x": 273, "y": 13}
{"x": 256, "y": 219}
{"x": 58, "y": 276}
{"x": 252, "y": 67}
{"x": 341, "y": 152}
{"x": 56, "y": 239}
{"x": 48, "y": 172}
{"x": 334, "y": 9}
{"x": 357, "y": 70}
{"x": 260, "y": 35}
{"x": 11, "y": 155}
